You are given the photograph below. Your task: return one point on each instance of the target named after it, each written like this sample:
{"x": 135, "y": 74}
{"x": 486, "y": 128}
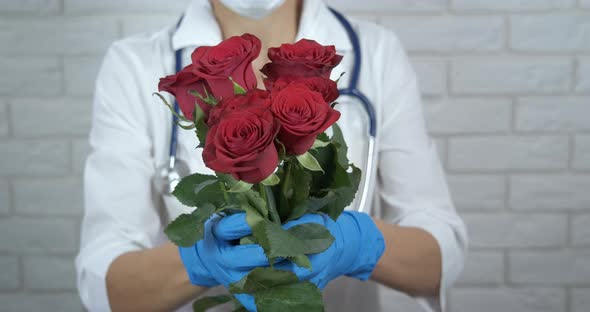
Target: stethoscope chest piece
{"x": 170, "y": 174}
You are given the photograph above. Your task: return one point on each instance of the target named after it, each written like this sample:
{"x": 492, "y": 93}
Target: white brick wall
{"x": 507, "y": 98}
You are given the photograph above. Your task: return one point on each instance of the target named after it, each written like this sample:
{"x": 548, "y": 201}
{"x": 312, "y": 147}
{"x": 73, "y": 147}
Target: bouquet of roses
{"x": 271, "y": 157}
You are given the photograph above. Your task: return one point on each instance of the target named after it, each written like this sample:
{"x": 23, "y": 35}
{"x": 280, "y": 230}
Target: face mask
{"x": 255, "y": 9}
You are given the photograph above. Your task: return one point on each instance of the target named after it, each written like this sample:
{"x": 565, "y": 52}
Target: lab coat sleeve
{"x": 413, "y": 191}
{"x": 120, "y": 214}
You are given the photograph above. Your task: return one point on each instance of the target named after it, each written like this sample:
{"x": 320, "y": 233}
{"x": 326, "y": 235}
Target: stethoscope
{"x": 174, "y": 170}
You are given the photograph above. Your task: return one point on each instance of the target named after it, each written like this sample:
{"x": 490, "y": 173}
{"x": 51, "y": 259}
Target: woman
{"x": 125, "y": 261}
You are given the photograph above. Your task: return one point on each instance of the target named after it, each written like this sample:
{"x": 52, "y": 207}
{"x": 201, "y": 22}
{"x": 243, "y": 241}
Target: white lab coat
{"x": 130, "y": 138}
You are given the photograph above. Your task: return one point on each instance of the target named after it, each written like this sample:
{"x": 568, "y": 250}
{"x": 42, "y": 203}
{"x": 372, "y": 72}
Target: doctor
{"x": 125, "y": 262}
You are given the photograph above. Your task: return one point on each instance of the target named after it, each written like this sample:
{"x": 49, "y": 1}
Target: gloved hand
{"x": 213, "y": 261}
{"x": 357, "y": 247}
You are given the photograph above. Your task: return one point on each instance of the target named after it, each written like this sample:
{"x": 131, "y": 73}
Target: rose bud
{"x": 325, "y": 86}
{"x": 254, "y": 97}
{"x": 303, "y": 114}
{"x": 231, "y": 58}
{"x": 305, "y": 58}
{"x": 242, "y": 142}
{"x": 179, "y": 85}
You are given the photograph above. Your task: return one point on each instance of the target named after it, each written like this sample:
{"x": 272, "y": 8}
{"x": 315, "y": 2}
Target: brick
{"x": 5, "y": 197}
{"x": 53, "y": 272}
{"x": 38, "y": 235}
{"x": 509, "y": 153}
{"x": 145, "y": 24}
{"x": 3, "y": 120}
{"x": 583, "y": 76}
{"x": 33, "y": 157}
{"x": 78, "y": 35}
{"x": 80, "y": 150}
{"x": 84, "y": 6}
{"x": 555, "y": 267}
{"x": 550, "y": 33}
{"x": 510, "y": 75}
{"x": 62, "y": 302}
{"x": 55, "y": 196}
{"x": 40, "y": 7}
{"x": 446, "y": 34}
{"x": 80, "y": 74}
{"x": 580, "y": 299}
{"x": 478, "y": 192}
{"x": 510, "y": 5}
{"x": 9, "y": 275}
{"x": 431, "y": 75}
{"x": 389, "y": 5}
{"x": 51, "y": 117}
{"x": 452, "y": 116}
{"x": 550, "y": 192}
{"x": 508, "y": 299}
{"x": 483, "y": 268}
{"x": 581, "y": 152}
{"x": 516, "y": 230}
{"x": 29, "y": 76}
{"x": 553, "y": 114}
{"x": 580, "y": 231}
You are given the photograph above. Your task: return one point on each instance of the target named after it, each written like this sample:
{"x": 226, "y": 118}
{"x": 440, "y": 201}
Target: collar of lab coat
{"x": 317, "y": 23}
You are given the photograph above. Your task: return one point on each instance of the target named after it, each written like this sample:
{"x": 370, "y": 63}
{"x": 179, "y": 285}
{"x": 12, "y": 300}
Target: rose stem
{"x": 270, "y": 202}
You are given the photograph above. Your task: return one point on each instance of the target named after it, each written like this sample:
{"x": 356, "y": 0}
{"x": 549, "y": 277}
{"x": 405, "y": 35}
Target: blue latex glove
{"x": 357, "y": 247}
{"x": 213, "y": 261}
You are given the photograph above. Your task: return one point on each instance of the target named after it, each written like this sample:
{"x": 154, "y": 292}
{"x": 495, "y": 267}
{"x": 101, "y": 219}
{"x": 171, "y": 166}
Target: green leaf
{"x": 303, "y": 296}
{"x": 247, "y": 240}
{"x": 315, "y": 204}
{"x": 237, "y": 88}
{"x": 345, "y": 186}
{"x": 203, "y": 304}
{"x": 341, "y": 148}
{"x": 309, "y": 162}
{"x": 301, "y": 261}
{"x": 319, "y": 143}
{"x": 315, "y": 236}
{"x": 278, "y": 242}
{"x": 197, "y": 189}
{"x": 200, "y": 127}
{"x": 333, "y": 191}
{"x": 257, "y": 202}
{"x": 276, "y": 290}
{"x": 188, "y": 229}
{"x": 323, "y": 137}
{"x": 298, "y": 191}
{"x": 262, "y": 278}
{"x": 271, "y": 180}
{"x": 240, "y": 187}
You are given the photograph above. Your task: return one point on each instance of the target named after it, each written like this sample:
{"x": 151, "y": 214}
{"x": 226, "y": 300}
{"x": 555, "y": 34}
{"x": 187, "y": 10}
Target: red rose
{"x": 305, "y": 58}
{"x": 325, "y": 86}
{"x": 254, "y": 97}
{"x": 242, "y": 142}
{"x": 179, "y": 85}
{"x": 231, "y": 58}
{"x": 303, "y": 115}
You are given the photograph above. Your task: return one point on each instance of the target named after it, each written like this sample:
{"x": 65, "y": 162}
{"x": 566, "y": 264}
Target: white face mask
{"x": 255, "y": 9}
